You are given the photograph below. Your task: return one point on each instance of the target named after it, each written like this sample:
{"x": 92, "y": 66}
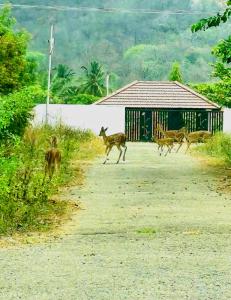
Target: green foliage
{"x": 221, "y": 71}
{"x": 35, "y": 63}
{"x": 6, "y": 20}
{"x": 64, "y": 72}
{"x": 218, "y": 92}
{"x": 152, "y": 62}
{"x": 69, "y": 89}
{"x": 25, "y": 191}
{"x": 15, "y": 113}
{"x": 222, "y": 67}
{"x": 218, "y": 146}
{"x": 175, "y": 74}
{"x": 94, "y": 80}
{"x": 155, "y": 40}
{"x": 137, "y": 50}
{"x": 63, "y": 83}
{"x": 15, "y": 69}
{"x": 223, "y": 50}
{"x": 147, "y": 230}
{"x": 82, "y": 99}
{"x": 213, "y": 21}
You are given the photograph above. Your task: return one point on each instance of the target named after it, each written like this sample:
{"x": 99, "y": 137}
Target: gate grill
{"x": 140, "y": 124}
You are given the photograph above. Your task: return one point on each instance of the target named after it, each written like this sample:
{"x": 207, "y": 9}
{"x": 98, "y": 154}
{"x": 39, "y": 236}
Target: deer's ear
{"x": 106, "y": 129}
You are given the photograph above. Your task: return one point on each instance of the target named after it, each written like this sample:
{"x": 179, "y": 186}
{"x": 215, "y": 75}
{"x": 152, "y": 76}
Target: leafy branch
{"x": 213, "y": 21}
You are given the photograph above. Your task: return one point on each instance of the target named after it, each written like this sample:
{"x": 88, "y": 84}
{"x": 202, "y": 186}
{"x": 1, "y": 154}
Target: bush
{"x": 82, "y": 99}
{"x": 25, "y": 190}
{"x": 16, "y": 111}
{"x": 218, "y": 146}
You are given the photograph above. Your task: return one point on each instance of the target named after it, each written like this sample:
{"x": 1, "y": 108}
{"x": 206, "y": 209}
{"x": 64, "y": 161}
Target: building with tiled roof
{"x": 169, "y": 103}
{"x": 158, "y": 94}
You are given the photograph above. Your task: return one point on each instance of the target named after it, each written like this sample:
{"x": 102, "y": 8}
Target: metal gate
{"x": 140, "y": 123}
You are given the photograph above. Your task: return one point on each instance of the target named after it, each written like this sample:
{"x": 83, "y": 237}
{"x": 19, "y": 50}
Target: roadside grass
{"x": 146, "y": 230}
{"x": 218, "y": 148}
{"x": 26, "y": 196}
{"x": 216, "y": 154}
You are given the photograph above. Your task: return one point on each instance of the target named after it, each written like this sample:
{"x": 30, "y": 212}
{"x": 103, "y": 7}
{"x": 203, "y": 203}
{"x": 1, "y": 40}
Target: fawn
{"x": 177, "y": 135}
{"x": 117, "y": 139}
{"x": 168, "y": 142}
{"x": 52, "y": 158}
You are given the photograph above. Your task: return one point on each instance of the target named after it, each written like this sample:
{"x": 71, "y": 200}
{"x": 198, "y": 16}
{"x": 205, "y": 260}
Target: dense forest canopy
{"x": 129, "y": 45}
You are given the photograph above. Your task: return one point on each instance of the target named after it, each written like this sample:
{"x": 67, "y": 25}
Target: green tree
{"x": 16, "y": 111}
{"x": 82, "y": 99}
{"x": 64, "y": 72}
{"x": 93, "y": 81}
{"x": 15, "y": 68}
{"x": 213, "y": 21}
{"x": 223, "y": 50}
{"x": 63, "y": 82}
{"x": 220, "y": 91}
{"x": 175, "y": 74}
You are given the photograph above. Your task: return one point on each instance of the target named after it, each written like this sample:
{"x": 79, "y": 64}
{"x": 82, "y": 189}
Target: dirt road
{"x": 152, "y": 228}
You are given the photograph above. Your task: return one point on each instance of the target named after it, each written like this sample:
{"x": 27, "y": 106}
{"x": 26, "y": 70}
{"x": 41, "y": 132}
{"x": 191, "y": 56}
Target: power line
{"x": 109, "y": 10}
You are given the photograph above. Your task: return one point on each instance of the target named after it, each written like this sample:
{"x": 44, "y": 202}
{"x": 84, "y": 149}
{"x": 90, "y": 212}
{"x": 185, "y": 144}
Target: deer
{"x": 177, "y": 135}
{"x": 196, "y": 137}
{"x": 117, "y": 139}
{"x": 52, "y": 158}
{"x": 168, "y": 142}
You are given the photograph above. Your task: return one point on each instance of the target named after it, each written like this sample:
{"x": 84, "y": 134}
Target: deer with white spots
{"x": 117, "y": 139}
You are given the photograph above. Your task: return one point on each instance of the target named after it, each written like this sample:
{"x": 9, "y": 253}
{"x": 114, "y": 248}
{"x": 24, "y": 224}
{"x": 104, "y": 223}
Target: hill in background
{"x": 130, "y": 45}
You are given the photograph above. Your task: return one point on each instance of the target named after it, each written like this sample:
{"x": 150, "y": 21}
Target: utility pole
{"x": 51, "y": 49}
{"x": 107, "y": 83}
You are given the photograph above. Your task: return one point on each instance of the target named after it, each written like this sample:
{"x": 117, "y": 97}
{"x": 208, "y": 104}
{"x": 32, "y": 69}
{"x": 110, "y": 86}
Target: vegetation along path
{"x": 152, "y": 228}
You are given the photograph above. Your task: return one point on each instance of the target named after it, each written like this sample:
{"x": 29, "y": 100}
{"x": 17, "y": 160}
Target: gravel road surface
{"x": 151, "y": 228}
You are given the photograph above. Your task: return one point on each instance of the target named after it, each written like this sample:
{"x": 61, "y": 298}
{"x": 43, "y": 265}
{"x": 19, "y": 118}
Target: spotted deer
{"x": 117, "y": 139}
{"x": 177, "y": 135}
{"x": 196, "y": 137}
{"x": 163, "y": 142}
{"x": 52, "y": 158}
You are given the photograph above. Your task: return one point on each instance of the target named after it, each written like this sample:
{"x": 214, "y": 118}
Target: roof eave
{"x": 197, "y": 94}
{"x": 116, "y": 92}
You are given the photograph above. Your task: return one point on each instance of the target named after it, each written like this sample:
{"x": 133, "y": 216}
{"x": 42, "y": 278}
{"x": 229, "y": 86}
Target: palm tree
{"x": 63, "y": 82}
{"x": 93, "y": 82}
{"x": 64, "y": 72}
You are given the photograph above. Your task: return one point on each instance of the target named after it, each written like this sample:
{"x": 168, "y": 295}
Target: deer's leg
{"x": 51, "y": 170}
{"x": 106, "y": 149}
{"x": 161, "y": 150}
{"x": 125, "y": 150}
{"x": 188, "y": 145}
{"x": 158, "y": 149}
{"x": 169, "y": 149}
{"x": 107, "y": 154}
{"x": 121, "y": 152}
{"x": 46, "y": 170}
{"x": 57, "y": 166}
{"x": 181, "y": 143}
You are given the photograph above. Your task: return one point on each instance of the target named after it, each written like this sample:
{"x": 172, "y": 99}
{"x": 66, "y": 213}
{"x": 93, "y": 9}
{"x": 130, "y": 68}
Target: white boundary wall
{"x": 227, "y": 120}
{"x": 83, "y": 116}
{"x": 94, "y": 116}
